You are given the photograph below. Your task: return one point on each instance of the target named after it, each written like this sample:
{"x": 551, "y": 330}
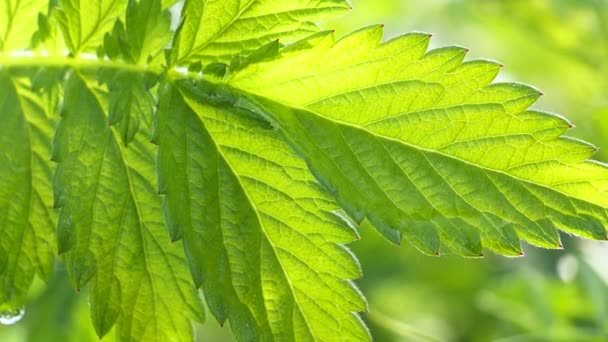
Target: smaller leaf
{"x": 16, "y": 27}
{"x": 115, "y": 44}
{"x": 130, "y": 103}
{"x": 111, "y": 231}
{"x": 84, "y": 23}
{"x": 147, "y": 29}
{"x": 216, "y": 31}
{"x": 26, "y": 219}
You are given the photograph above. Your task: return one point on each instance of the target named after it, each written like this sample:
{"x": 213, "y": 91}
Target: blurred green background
{"x": 559, "y": 46}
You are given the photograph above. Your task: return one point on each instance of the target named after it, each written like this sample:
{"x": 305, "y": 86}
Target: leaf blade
{"x": 27, "y": 220}
{"x": 16, "y": 29}
{"x": 250, "y": 209}
{"x": 111, "y": 232}
{"x": 84, "y": 23}
{"x": 216, "y": 31}
{"x": 440, "y": 113}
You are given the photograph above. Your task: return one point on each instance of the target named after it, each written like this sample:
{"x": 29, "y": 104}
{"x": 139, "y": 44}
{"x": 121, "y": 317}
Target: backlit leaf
{"x": 422, "y": 143}
{"x": 231, "y": 184}
{"x": 110, "y": 228}
{"x": 26, "y": 218}
{"x": 218, "y": 30}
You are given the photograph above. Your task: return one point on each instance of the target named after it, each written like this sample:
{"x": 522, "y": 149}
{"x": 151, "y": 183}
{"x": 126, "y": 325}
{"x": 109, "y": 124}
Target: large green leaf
{"x": 422, "y": 143}
{"x": 418, "y": 142}
{"x": 110, "y": 228}
{"x": 258, "y": 230}
{"x": 218, "y": 30}
{"x": 26, "y": 217}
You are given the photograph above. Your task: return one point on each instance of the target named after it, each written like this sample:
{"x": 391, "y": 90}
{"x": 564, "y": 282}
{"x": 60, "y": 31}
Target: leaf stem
{"x": 81, "y": 62}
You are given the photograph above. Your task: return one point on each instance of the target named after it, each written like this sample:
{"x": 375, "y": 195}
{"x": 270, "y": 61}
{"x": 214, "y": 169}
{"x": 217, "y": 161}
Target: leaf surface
{"x": 16, "y": 27}
{"x": 217, "y": 30}
{"x": 421, "y": 143}
{"x": 84, "y": 22}
{"x": 258, "y": 230}
{"x": 26, "y": 218}
{"x": 141, "y": 42}
{"x": 110, "y": 228}
{"x": 143, "y": 36}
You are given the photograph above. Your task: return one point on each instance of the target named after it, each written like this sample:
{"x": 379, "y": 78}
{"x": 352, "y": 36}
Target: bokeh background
{"x": 559, "y": 46}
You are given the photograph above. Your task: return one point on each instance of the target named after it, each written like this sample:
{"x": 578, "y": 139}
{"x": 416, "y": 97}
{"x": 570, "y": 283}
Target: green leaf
{"x": 26, "y": 217}
{"x": 84, "y": 22}
{"x": 16, "y": 27}
{"x": 130, "y": 103}
{"x": 216, "y": 31}
{"x": 148, "y": 29}
{"x": 48, "y": 39}
{"x": 110, "y": 228}
{"x": 422, "y": 143}
{"x": 258, "y": 231}
{"x": 143, "y": 36}
{"x": 262, "y": 121}
{"x": 138, "y": 42}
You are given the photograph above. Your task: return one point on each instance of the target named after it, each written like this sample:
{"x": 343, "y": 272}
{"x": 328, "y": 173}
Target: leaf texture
{"x": 423, "y": 143}
{"x": 266, "y": 127}
{"x": 143, "y": 36}
{"x": 258, "y": 230}
{"x": 84, "y": 23}
{"x": 26, "y": 218}
{"x": 217, "y": 30}
{"x": 16, "y": 27}
{"x": 110, "y": 228}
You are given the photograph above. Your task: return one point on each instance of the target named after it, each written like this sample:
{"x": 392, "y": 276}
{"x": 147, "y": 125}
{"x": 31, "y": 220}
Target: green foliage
{"x": 266, "y": 154}
{"x": 15, "y": 32}
{"x": 27, "y": 246}
{"x": 477, "y": 160}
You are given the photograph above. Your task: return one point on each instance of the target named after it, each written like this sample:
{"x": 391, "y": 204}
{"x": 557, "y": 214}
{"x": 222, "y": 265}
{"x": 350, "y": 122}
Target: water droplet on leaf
{"x": 9, "y": 317}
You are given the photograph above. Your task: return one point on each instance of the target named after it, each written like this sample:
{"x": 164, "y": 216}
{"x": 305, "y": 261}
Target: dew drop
{"x": 9, "y": 317}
